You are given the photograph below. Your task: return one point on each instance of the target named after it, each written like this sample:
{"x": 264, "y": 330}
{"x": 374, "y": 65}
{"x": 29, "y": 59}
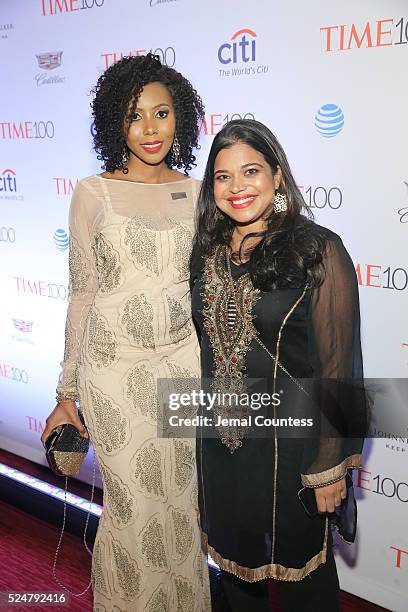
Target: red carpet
{"x": 27, "y": 548}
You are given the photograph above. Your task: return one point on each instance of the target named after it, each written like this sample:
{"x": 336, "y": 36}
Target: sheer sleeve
{"x": 83, "y": 284}
{"x": 335, "y": 353}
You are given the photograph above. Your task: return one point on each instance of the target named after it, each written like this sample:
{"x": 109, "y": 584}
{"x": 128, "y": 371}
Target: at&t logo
{"x": 329, "y": 120}
{"x": 61, "y": 239}
{"x": 239, "y": 54}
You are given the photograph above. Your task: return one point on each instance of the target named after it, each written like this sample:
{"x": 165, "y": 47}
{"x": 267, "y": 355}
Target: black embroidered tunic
{"x": 251, "y": 517}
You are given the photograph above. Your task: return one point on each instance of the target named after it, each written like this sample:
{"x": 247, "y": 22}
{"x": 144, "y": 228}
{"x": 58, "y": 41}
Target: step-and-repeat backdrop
{"x": 293, "y": 65}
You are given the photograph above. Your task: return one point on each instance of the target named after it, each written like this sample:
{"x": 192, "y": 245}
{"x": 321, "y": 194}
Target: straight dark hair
{"x": 290, "y": 253}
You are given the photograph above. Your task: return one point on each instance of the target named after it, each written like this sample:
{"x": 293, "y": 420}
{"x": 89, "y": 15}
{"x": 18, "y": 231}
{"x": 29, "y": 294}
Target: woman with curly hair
{"x": 275, "y": 298}
{"x": 128, "y": 326}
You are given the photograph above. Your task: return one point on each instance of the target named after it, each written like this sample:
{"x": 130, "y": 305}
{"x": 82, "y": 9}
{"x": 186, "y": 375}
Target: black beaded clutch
{"x": 66, "y": 449}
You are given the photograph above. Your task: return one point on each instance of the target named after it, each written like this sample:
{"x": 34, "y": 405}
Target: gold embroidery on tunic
{"x": 159, "y": 601}
{"x": 140, "y": 237}
{"x": 178, "y": 372}
{"x": 180, "y": 320}
{"x": 138, "y": 318}
{"x": 185, "y": 594}
{"x": 141, "y": 389}
{"x": 128, "y": 574}
{"x": 69, "y": 340}
{"x": 183, "y": 239}
{"x": 272, "y": 570}
{"x": 107, "y": 263}
{"x": 102, "y": 346}
{"x": 184, "y": 464}
{"x": 98, "y": 579}
{"x": 67, "y": 388}
{"x": 182, "y": 533}
{"x": 229, "y": 344}
{"x": 153, "y": 549}
{"x": 199, "y": 564}
{"x": 147, "y": 470}
{"x": 181, "y": 380}
{"x": 111, "y": 426}
{"x": 78, "y": 277}
{"x": 117, "y": 498}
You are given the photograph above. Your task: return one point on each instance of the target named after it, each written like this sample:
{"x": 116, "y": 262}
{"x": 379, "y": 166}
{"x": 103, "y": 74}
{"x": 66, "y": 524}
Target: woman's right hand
{"x": 64, "y": 412}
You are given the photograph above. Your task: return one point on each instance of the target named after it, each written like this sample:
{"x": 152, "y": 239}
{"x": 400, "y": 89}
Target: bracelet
{"x": 326, "y": 484}
{"x": 68, "y": 395}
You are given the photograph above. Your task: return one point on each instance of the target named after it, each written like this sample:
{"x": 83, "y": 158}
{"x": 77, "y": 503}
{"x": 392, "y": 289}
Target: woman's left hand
{"x": 327, "y": 498}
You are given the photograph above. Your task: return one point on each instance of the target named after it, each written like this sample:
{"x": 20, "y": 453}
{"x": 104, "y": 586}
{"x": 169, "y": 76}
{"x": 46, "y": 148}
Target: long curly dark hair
{"x": 115, "y": 99}
{"x": 290, "y": 253}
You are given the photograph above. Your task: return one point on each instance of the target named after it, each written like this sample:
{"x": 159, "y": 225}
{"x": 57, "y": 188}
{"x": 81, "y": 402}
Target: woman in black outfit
{"x": 275, "y": 299}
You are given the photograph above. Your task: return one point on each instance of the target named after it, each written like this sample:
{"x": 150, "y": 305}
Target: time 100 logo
{"x": 321, "y": 197}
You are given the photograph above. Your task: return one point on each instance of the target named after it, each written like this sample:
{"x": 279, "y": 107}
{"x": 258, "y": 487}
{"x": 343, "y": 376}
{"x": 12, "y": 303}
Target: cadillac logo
{"x": 49, "y": 61}
{"x": 23, "y": 326}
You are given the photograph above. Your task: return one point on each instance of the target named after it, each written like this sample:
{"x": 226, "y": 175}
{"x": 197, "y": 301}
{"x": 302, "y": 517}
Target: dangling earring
{"x": 280, "y": 203}
{"x": 125, "y": 159}
{"x": 176, "y": 149}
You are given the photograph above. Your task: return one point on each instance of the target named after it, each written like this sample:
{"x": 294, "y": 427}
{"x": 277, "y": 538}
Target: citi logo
{"x": 242, "y": 48}
{"x": 8, "y": 181}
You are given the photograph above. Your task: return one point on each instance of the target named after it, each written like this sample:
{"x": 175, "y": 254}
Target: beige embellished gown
{"x": 128, "y": 325}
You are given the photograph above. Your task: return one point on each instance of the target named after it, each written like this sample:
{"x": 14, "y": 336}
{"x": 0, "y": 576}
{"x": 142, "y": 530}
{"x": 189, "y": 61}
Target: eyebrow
{"x": 157, "y": 106}
{"x": 244, "y": 166}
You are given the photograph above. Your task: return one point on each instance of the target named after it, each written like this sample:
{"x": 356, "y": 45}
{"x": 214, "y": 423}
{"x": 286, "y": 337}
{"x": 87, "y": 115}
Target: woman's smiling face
{"x": 245, "y": 185}
{"x": 152, "y": 124}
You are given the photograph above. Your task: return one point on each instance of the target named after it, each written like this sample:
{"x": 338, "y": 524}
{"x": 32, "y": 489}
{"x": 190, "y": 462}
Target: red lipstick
{"x": 242, "y": 201}
{"x": 152, "y": 147}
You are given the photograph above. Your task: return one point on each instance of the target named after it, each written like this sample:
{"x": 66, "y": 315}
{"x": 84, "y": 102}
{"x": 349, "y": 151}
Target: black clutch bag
{"x": 66, "y": 449}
